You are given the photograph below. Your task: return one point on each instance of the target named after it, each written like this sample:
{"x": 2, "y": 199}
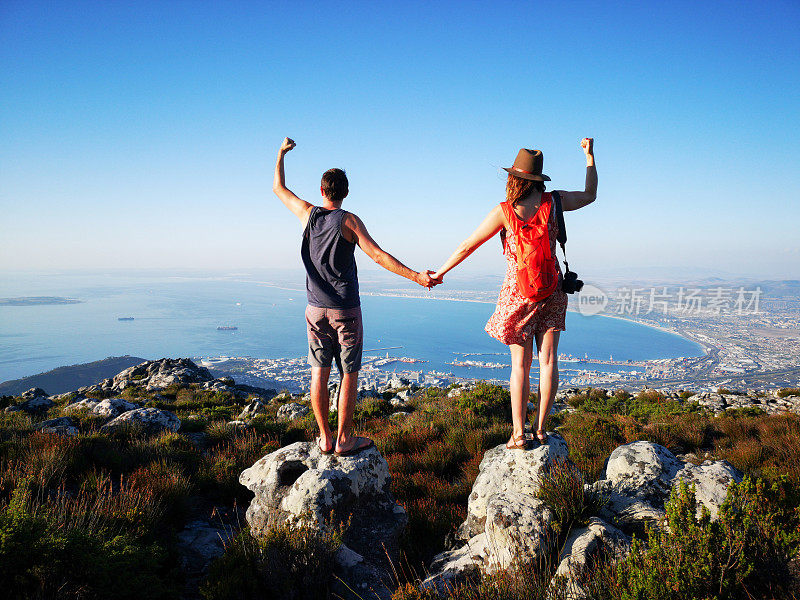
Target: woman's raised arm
{"x": 491, "y": 225}
{"x": 576, "y": 200}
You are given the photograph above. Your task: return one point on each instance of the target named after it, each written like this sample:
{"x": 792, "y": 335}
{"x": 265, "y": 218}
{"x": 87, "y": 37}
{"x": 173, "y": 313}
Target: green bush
{"x": 286, "y": 563}
{"x": 486, "y": 400}
{"x": 41, "y": 557}
{"x": 784, "y": 392}
{"x": 744, "y": 553}
{"x": 562, "y": 489}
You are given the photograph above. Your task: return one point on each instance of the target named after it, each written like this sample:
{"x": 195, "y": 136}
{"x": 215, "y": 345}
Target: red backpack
{"x": 537, "y": 276}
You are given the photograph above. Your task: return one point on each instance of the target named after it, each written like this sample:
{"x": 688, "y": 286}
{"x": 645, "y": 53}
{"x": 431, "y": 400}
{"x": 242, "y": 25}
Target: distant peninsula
{"x": 37, "y": 301}
{"x": 65, "y": 379}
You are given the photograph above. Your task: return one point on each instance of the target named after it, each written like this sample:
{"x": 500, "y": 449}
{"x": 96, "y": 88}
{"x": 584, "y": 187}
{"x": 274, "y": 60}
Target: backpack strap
{"x": 562, "y": 228}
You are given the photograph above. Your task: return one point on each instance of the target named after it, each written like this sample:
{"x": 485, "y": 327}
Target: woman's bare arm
{"x": 576, "y": 200}
{"x": 491, "y": 225}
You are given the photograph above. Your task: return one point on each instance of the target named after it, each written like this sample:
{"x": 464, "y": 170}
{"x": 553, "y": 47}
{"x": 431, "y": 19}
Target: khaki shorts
{"x": 335, "y": 334}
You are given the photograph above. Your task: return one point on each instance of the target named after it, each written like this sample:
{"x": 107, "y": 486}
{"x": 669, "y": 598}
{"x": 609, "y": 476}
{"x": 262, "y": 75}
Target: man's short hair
{"x": 334, "y": 185}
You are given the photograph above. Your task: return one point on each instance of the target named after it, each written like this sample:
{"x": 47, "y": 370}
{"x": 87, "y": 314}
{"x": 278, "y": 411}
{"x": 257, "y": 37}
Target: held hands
{"x": 588, "y": 146}
{"x": 287, "y": 145}
{"x": 425, "y": 279}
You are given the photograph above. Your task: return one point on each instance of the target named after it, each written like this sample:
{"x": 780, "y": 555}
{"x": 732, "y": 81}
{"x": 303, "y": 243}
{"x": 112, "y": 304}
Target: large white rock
{"x": 304, "y": 484}
{"x": 711, "y": 480}
{"x": 113, "y": 407}
{"x": 61, "y": 426}
{"x": 509, "y": 471}
{"x": 516, "y": 525}
{"x": 449, "y": 567}
{"x": 35, "y": 400}
{"x": 299, "y": 484}
{"x": 505, "y": 519}
{"x": 151, "y": 419}
{"x": 639, "y": 476}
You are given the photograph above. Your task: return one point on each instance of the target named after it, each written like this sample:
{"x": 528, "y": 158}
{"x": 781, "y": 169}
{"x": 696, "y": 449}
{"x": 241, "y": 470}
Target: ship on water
{"x": 227, "y": 328}
{"x": 124, "y": 318}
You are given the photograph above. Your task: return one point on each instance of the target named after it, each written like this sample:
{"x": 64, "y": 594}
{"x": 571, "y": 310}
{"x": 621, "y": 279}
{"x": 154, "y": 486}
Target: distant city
{"x": 750, "y": 336}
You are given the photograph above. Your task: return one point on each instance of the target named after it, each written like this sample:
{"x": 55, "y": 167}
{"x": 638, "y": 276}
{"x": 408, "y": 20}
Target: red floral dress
{"x": 516, "y": 317}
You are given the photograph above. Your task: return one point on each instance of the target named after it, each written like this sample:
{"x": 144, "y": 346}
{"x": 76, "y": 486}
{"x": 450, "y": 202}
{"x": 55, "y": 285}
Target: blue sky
{"x": 143, "y": 134}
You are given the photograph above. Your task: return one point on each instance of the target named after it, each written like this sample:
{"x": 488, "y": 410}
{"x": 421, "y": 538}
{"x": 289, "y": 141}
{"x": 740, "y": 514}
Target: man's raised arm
{"x": 380, "y": 256}
{"x": 299, "y": 207}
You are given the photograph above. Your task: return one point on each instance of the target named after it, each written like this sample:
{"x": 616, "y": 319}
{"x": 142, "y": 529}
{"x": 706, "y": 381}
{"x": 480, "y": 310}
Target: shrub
{"x": 784, "y": 392}
{"x": 44, "y": 555}
{"x": 486, "y": 400}
{"x": 743, "y": 554}
{"x": 591, "y": 438}
{"x": 286, "y": 563}
{"x": 562, "y": 489}
{"x": 371, "y": 408}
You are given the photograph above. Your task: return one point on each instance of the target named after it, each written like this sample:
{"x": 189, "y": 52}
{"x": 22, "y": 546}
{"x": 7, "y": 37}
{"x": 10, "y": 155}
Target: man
{"x": 333, "y": 314}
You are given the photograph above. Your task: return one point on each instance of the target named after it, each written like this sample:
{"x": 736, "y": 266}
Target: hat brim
{"x": 530, "y": 176}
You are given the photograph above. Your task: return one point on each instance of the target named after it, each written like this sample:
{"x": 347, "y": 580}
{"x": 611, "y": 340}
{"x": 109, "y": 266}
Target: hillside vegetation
{"x": 95, "y": 515}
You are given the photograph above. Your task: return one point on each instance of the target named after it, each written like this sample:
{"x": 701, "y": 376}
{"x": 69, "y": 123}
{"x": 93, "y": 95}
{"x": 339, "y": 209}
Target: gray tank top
{"x": 331, "y": 274}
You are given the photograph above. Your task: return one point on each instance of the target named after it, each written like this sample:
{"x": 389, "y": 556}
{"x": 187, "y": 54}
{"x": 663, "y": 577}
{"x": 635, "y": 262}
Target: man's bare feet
{"x": 355, "y": 445}
{"x": 325, "y": 444}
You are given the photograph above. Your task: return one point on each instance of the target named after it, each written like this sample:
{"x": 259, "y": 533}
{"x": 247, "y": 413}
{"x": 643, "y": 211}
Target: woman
{"x": 518, "y": 321}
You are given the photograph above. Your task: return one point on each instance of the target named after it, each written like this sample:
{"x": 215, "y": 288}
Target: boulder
{"x": 108, "y": 408}
{"x": 113, "y": 407}
{"x": 503, "y": 470}
{"x": 453, "y": 566}
{"x": 517, "y": 525}
{"x": 153, "y": 375}
{"x": 505, "y": 519}
{"x": 582, "y": 545}
{"x": 292, "y": 411}
{"x": 639, "y": 476}
{"x": 298, "y": 484}
{"x": 151, "y": 419}
{"x": 711, "y": 480}
{"x": 61, "y": 426}
{"x": 35, "y": 400}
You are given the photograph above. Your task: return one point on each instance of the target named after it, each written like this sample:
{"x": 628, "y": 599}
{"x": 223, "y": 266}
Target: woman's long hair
{"x": 518, "y": 188}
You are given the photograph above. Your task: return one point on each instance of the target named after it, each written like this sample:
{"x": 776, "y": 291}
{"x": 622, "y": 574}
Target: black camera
{"x": 571, "y": 284}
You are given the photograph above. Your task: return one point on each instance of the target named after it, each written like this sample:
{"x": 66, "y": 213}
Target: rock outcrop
{"x": 639, "y": 476}
{"x": 770, "y": 403}
{"x": 155, "y": 375}
{"x": 298, "y": 484}
{"x": 61, "y": 426}
{"x": 292, "y": 410}
{"x": 505, "y": 518}
{"x": 35, "y": 400}
{"x": 252, "y": 409}
{"x": 581, "y": 546}
{"x": 151, "y": 420}
{"x": 108, "y": 408}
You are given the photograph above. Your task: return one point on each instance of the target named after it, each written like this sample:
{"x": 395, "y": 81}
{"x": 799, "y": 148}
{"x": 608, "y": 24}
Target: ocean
{"x": 178, "y": 316}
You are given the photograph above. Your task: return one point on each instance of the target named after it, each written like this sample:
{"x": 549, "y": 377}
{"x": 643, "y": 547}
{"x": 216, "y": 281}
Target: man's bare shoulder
{"x": 351, "y": 225}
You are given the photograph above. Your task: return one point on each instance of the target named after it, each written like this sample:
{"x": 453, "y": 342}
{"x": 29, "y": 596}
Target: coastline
{"x": 684, "y": 335}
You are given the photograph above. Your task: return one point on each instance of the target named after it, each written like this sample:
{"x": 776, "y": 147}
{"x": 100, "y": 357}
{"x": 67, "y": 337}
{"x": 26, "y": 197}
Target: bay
{"x": 178, "y": 316}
